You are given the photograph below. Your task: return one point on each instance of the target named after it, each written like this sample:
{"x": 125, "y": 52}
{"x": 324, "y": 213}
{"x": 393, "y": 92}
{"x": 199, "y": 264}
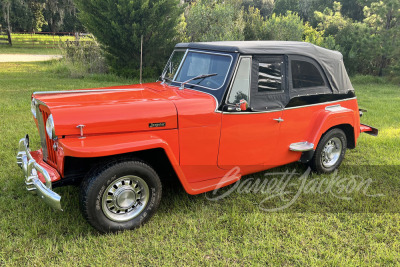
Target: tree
{"x": 383, "y": 19}
{"x": 36, "y": 7}
{"x": 61, "y": 15}
{"x": 331, "y": 21}
{"x": 119, "y": 25}
{"x": 264, "y": 6}
{"x": 209, "y": 20}
{"x": 282, "y": 6}
{"x": 254, "y": 24}
{"x": 287, "y": 27}
{"x": 6, "y": 6}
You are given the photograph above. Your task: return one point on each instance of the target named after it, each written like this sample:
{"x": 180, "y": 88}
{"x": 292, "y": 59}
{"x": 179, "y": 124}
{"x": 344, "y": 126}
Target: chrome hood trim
{"x": 84, "y": 91}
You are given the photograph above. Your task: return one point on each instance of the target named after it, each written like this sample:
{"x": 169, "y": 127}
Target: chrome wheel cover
{"x": 331, "y": 152}
{"x": 125, "y": 198}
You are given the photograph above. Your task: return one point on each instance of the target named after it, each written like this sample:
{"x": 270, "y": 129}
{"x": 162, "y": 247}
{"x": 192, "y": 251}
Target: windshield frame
{"x": 202, "y": 52}
{"x": 163, "y": 78}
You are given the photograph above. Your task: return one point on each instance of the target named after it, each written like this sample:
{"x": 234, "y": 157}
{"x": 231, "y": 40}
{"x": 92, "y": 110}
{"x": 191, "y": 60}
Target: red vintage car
{"x": 218, "y": 105}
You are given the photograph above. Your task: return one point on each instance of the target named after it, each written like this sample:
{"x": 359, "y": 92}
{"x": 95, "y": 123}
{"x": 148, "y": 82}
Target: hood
{"x": 109, "y": 110}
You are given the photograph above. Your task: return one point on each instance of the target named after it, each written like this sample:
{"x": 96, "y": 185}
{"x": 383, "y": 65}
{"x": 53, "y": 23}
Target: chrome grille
{"x": 49, "y": 155}
{"x": 42, "y": 131}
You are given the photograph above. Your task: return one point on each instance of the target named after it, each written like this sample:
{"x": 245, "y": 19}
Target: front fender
{"x": 114, "y": 144}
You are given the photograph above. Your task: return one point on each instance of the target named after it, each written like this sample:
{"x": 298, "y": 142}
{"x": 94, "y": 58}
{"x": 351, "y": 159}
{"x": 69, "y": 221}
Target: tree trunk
{"x": 8, "y": 5}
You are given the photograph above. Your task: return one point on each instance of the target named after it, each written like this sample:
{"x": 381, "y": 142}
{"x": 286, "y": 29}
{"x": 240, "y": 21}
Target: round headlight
{"x": 33, "y": 107}
{"x": 50, "y": 127}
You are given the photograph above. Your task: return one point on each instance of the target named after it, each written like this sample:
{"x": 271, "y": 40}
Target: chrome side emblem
{"x": 157, "y": 124}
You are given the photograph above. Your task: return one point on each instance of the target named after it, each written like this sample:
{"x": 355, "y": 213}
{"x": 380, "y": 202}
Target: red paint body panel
{"x": 38, "y": 157}
{"x": 249, "y": 140}
{"x": 199, "y": 135}
{"x": 309, "y": 123}
{"x": 109, "y": 112}
{"x": 106, "y": 145}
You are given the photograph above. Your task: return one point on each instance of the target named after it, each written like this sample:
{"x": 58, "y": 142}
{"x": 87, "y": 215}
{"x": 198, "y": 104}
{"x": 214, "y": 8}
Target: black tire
{"x": 121, "y": 195}
{"x": 330, "y": 151}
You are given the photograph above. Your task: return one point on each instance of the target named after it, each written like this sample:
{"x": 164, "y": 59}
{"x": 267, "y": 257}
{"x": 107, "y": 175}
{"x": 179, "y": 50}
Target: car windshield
{"x": 195, "y": 64}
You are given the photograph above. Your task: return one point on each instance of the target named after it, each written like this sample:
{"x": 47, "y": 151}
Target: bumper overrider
{"x": 31, "y": 169}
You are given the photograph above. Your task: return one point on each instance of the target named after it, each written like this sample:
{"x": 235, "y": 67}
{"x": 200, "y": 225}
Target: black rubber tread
{"x": 96, "y": 182}
{"x": 315, "y": 162}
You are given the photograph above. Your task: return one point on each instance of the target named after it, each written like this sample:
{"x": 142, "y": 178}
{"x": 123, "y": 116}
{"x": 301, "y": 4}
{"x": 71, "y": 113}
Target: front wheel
{"x": 330, "y": 152}
{"x": 120, "y": 196}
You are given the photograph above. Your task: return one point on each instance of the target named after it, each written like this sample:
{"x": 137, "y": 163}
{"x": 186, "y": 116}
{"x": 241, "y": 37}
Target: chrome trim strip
{"x": 332, "y": 107}
{"x": 335, "y": 108}
{"x": 322, "y": 103}
{"x": 39, "y": 102}
{"x": 84, "y": 91}
{"x": 205, "y": 52}
{"x": 251, "y": 112}
{"x": 268, "y": 111}
{"x": 33, "y": 184}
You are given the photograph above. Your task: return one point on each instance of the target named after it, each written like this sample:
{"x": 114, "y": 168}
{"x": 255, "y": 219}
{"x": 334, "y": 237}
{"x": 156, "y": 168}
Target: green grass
{"x": 36, "y": 44}
{"x": 190, "y": 230}
{"x": 35, "y": 51}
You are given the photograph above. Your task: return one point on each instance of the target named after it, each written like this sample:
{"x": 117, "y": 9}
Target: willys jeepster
{"x": 250, "y": 105}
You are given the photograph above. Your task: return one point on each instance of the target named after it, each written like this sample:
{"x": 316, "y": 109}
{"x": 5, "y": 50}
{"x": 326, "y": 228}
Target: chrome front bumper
{"x": 31, "y": 169}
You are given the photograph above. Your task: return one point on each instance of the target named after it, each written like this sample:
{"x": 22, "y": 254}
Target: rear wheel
{"x": 330, "y": 151}
{"x": 120, "y": 196}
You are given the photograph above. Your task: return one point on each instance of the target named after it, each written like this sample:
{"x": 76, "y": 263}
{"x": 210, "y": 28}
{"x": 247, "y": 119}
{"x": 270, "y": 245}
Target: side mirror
{"x": 243, "y": 105}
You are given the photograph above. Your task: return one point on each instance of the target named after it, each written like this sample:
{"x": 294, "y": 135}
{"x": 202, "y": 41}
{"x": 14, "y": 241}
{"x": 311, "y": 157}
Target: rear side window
{"x": 270, "y": 76}
{"x": 305, "y": 74}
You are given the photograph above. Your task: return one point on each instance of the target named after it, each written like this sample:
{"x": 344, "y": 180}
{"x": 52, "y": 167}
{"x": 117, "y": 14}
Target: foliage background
{"x": 367, "y": 32}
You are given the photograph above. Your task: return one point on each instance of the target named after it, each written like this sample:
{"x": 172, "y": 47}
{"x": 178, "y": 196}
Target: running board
{"x": 301, "y": 146}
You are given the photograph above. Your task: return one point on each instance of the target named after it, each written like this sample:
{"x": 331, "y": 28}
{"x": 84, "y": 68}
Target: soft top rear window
{"x": 305, "y": 75}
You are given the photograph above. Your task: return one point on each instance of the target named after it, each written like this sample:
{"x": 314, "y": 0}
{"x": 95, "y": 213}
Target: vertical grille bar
{"x": 42, "y": 132}
{"x": 51, "y": 154}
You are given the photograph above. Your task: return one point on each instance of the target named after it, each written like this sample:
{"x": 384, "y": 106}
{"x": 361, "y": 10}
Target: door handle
{"x": 278, "y": 119}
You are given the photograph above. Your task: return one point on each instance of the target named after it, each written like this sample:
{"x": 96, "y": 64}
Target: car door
{"x": 308, "y": 90}
{"x": 249, "y": 137}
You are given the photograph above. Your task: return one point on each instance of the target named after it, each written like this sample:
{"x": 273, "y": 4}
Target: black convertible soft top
{"x": 330, "y": 61}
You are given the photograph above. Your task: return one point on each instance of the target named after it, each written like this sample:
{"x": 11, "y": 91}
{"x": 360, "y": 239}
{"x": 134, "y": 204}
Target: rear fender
{"x": 330, "y": 117}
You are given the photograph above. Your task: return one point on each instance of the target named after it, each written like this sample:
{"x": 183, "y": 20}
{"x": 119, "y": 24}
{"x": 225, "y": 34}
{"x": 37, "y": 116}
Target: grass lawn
{"x": 35, "y": 51}
{"x": 36, "y": 44}
{"x": 337, "y": 229}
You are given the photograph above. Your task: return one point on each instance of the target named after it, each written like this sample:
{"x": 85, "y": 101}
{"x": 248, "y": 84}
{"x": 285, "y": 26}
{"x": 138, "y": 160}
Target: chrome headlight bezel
{"x": 51, "y": 132}
{"x": 33, "y": 107}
